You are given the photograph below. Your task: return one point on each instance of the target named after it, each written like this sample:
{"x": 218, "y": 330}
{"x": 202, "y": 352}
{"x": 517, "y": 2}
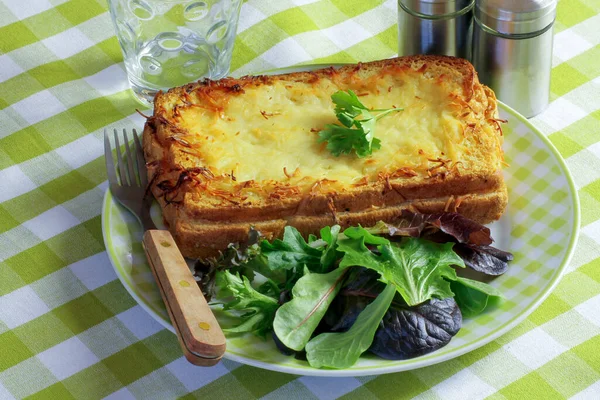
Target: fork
{"x": 198, "y": 331}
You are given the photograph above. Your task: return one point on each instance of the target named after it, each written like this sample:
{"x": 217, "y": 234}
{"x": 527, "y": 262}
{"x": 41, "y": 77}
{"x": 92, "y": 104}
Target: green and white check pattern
{"x": 68, "y": 328}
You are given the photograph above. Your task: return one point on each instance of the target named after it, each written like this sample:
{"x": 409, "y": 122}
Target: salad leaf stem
{"x": 385, "y": 112}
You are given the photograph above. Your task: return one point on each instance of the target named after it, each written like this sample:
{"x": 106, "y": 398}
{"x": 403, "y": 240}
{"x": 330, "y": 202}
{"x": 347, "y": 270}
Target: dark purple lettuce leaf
{"x": 459, "y": 227}
{"x": 361, "y": 288}
{"x": 405, "y": 332}
{"x": 348, "y": 308}
{"x": 363, "y": 282}
{"x": 408, "y": 332}
{"x": 485, "y": 259}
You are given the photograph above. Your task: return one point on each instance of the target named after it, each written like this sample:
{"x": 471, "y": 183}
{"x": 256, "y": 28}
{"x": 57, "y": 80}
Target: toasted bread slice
{"x": 226, "y": 155}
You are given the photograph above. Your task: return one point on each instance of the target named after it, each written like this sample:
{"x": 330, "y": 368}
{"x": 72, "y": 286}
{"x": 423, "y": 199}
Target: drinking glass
{"x": 172, "y": 42}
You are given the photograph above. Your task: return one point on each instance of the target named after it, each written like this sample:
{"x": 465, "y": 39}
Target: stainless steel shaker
{"x": 434, "y": 27}
{"x": 512, "y": 50}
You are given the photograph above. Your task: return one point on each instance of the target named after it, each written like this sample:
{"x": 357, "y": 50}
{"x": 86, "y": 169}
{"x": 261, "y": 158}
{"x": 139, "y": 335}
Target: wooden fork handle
{"x": 198, "y": 331}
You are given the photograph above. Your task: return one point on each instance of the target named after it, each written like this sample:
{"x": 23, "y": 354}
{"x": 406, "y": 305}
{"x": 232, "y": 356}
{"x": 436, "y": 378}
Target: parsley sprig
{"x": 357, "y": 129}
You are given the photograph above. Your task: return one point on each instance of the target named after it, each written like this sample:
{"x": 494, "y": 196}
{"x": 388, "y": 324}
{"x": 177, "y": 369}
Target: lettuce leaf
{"x": 294, "y": 253}
{"x": 416, "y": 267}
{"x": 291, "y": 252}
{"x": 462, "y": 229}
{"x": 342, "y": 350}
{"x": 296, "y": 320}
{"x": 473, "y": 296}
{"x": 358, "y": 232}
{"x": 258, "y": 308}
{"x": 330, "y": 254}
{"x": 408, "y": 332}
{"x": 404, "y": 332}
{"x": 485, "y": 259}
{"x": 473, "y": 239}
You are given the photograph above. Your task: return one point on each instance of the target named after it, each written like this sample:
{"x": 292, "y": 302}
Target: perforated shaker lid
{"x": 435, "y": 8}
{"x": 516, "y": 16}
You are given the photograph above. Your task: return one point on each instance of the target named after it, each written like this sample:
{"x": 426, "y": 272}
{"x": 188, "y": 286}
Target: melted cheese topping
{"x": 272, "y": 129}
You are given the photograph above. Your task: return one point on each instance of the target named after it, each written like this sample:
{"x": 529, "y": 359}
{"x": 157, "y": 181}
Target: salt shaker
{"x": 434, "y": 27}
{"x": 512, "y": 50}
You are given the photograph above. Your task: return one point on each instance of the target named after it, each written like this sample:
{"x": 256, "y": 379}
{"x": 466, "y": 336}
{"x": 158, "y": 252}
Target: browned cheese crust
{"x": 206, "y": 209}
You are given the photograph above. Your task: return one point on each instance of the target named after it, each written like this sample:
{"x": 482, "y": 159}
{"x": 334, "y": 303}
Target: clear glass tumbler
{"x": 169, "y": 43}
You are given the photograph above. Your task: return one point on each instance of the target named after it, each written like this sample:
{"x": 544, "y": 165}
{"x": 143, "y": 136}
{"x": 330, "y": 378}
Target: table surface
{"x": 68, "y": 328}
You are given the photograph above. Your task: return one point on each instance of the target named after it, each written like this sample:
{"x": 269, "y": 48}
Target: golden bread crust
{"x": 207, "y": 208}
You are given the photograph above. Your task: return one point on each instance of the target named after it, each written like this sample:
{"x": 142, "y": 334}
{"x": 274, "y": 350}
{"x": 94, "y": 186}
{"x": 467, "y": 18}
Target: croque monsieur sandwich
{"x": 226, "y": 155}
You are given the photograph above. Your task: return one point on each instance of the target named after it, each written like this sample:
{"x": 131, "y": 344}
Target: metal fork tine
{"x": 108, "y": 158}
{"x": 131, "y": 166}
{"x": 139, "y": 156}
{"x": 121, "y": 170}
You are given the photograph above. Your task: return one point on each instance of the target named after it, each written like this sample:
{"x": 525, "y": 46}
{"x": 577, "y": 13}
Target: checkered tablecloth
{"x": 68, "y": 328}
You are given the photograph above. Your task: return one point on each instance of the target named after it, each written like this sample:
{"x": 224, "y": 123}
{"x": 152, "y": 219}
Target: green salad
{"x": 397, "y": 290}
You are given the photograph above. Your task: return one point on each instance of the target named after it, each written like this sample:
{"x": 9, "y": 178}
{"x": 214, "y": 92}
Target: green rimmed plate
{"x": 540, "y": 227}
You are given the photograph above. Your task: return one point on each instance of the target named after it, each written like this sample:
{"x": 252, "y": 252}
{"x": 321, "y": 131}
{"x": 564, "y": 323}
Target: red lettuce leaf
{"x": 408, "y": 332}
{"x": 486, "y": 259}
{"x": 472, "y": 238}
{"x": 459, "y": 227}
{"x": 405, "y": 332}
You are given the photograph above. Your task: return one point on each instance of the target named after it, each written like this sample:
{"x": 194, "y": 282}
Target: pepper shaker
{"x": 512, "y": 50}
{"x": 434, "y": 27}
